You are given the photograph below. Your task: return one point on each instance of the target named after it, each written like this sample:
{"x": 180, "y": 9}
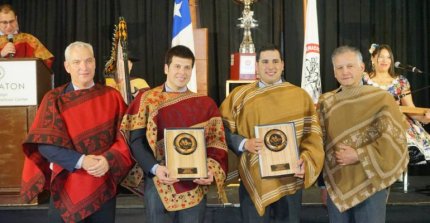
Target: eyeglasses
{"x": 5, "y": 23}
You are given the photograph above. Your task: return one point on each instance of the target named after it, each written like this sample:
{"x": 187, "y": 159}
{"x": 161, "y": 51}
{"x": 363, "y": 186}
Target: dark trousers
{"x": 156, "y": 213}
{"x": 373, "y": 209}
{"x": 286, "y": 209}
{"x": 106, "y": 213}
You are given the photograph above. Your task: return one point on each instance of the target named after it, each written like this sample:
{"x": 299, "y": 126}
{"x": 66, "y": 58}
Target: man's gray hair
{"x": 346, "y": 49}
{"x": 77, "y": 44}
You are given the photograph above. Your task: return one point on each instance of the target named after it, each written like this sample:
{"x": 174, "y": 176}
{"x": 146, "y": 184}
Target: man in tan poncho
{"x": 272, "y": 101}
{"x": 364, "y": 140}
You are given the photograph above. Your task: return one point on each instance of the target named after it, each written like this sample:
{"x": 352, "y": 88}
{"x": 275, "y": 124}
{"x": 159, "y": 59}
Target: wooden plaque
{"x": 280, "y": 153}
{"x": 185, "y": 150}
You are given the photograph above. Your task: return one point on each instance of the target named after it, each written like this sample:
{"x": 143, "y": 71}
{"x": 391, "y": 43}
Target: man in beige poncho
{"x": 272, "y": 101}
{"x": 364, "y": 140}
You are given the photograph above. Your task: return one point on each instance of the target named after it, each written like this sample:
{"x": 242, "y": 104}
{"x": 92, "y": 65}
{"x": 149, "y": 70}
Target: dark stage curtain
{"x": 403, "y": 24}
{"x": 57, "y": 23}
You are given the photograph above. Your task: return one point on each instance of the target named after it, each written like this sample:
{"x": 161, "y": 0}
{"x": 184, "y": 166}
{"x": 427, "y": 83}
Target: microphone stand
{"x": 414, "y": 91}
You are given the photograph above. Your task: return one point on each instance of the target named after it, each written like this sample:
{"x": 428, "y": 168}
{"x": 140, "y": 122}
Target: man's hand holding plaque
{"x": 163, "y": 175}
{"x": 205, "y": 181}
{"x": 254, "y": 145}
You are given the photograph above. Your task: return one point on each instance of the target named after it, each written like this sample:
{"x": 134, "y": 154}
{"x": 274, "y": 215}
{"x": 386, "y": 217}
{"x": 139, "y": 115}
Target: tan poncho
{"x": 250, "y": 105}
{"x": 156, "y": 110}
{"x": 368, "y": 119}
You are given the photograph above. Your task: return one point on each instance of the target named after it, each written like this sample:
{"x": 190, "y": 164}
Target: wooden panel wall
{"x": 202, "y": 62}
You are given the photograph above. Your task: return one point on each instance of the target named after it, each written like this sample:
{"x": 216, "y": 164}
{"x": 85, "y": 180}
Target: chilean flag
{"x": 183, "y": 33}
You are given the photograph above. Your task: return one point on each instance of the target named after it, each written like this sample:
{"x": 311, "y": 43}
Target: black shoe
{"x": 416, "y": 157}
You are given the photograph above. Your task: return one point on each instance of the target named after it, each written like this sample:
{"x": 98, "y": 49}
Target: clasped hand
{"x": 345, "y": 155}
{"x": 95, "y": 165}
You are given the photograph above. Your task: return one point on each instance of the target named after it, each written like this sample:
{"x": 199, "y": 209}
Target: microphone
{"x": 10, "y": 39}
{"x": 407, "y": 67}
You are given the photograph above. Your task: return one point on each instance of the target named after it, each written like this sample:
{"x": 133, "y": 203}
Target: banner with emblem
{"x": 311, "y": 78}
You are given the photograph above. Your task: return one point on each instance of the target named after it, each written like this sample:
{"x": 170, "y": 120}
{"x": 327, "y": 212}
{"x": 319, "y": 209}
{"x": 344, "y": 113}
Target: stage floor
{"x": 413, "y": 206}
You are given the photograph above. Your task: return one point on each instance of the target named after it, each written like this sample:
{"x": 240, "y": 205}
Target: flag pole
{"x": 304, "y": 13}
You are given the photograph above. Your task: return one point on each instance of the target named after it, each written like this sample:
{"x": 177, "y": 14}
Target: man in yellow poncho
{"x": 271, "y": 101}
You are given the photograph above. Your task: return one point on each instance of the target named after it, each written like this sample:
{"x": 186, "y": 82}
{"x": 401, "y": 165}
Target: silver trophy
{"x": 247, "y": 23}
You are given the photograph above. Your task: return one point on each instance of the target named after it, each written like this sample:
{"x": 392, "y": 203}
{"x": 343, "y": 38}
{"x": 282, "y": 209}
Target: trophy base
{"x": 242, "y": 66}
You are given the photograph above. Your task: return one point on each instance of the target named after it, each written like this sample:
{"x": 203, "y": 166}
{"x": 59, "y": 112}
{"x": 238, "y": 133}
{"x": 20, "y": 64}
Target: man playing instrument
{"x": 74, "y": 147}
{"x": 136, "y": 83}
{"x": 172, "y": 105}
{"x": 364, "y": 140}
{"x": 270, "y": 100}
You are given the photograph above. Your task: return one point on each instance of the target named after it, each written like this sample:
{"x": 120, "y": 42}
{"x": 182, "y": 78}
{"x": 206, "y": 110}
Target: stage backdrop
{"x": 403, "y": 24}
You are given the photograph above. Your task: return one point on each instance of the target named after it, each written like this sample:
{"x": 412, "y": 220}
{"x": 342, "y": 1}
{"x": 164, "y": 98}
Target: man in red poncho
{"x": 74, "y": 147}
{"x": 172, "y": 105}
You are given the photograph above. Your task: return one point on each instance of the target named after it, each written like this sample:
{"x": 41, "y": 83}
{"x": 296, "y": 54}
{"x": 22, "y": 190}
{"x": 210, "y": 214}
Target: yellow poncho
{"x": 250, "y": 105}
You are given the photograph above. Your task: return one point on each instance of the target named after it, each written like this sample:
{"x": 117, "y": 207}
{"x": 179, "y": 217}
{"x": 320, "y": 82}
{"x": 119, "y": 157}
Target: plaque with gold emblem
{"x": 185, "y": 150}
{"x": 280, "y": 153}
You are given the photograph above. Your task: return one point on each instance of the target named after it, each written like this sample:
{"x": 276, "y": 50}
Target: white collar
{"x": 262, "y": 84}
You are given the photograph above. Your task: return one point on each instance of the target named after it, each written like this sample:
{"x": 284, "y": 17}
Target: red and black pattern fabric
{"x": 86, "y": 121}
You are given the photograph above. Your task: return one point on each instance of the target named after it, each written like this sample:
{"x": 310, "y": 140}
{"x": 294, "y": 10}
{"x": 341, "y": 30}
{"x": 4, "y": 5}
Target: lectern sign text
{"x": 17, "y": 85}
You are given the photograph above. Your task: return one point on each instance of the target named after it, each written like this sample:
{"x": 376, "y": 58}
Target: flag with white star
{"x": 183, "y": 33}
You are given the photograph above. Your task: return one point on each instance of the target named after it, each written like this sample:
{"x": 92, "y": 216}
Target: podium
{"x": 23, "y": 83}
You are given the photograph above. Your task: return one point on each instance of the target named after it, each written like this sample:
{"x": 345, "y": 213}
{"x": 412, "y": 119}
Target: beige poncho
{"x": 367, "y": 119}
{"x": 250, "y": 105}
